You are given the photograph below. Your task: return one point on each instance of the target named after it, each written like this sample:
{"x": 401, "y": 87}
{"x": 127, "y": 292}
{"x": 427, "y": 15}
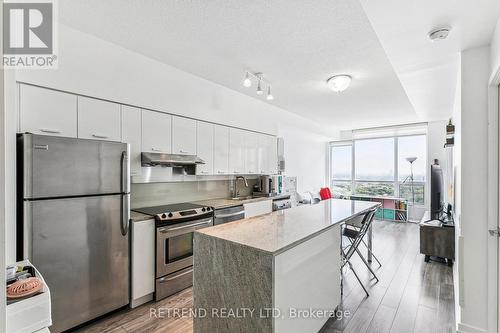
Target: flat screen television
{"x": 437, "y": 201}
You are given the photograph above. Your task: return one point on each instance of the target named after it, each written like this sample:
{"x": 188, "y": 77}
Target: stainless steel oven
{"x": 174, "y": 245}
{"x": 175, "y": 225}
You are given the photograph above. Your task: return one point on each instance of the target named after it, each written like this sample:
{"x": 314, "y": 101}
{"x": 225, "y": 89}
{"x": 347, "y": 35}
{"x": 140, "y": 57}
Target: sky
{"x": 374, "y": 159}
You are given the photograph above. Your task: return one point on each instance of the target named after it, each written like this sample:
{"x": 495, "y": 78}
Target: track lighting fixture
{"x": 261, "y": 84}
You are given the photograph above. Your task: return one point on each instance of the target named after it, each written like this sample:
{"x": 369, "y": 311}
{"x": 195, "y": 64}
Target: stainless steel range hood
{"x": 169, "y": 160}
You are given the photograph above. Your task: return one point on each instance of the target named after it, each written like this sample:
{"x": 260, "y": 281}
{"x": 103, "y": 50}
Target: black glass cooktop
{"x": 167, "y": 208}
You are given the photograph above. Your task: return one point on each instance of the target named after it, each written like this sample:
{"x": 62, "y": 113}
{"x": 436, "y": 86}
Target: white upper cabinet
{"x": 221, "y": 150}
{"x": 205, "y": 148}
{"x": 49, "y": 112}
{"x": 183, "y": 136}
{"x": 156, "y": 132}
{"x": 131, "y": 133}
{"x": 272, "y": 154}
{"x": 98, "y": 119}
{"x": 262, "y": 154}
{"x": 251, "y": 152}
{"x": 236, "y": 151}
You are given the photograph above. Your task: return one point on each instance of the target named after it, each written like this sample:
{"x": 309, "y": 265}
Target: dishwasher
{"x": 225, "y": 215}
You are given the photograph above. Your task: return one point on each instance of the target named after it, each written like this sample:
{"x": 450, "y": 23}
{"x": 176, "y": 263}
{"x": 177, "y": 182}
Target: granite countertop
{"x": 228, "y": 202}
{"x": 138, "y": 217}
{"x": 280, "y": 230}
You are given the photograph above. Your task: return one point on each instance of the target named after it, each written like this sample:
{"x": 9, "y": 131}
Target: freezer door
{"x": 79, "y": 246}
{"x": 59, "y": 167}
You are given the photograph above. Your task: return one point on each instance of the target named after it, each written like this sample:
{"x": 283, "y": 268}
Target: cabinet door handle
{"x": 204, "y": 172}
{"x": 48, "y": 130}
{"x": 155, "y": 149}
{"x": 220, "y": 171}
{"x": 183, "y": 152}
{"x": 99, "y": 136}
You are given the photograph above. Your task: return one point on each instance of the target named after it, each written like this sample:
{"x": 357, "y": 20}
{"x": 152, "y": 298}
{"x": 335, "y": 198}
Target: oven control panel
{"x": 168, "y": 216}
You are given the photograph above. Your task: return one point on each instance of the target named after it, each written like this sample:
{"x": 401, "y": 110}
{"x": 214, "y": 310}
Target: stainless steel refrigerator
{"x": 73, "y": 222}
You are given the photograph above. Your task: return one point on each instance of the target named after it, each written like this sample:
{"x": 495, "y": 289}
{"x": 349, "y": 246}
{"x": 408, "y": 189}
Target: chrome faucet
{"x": 236, "y": 190}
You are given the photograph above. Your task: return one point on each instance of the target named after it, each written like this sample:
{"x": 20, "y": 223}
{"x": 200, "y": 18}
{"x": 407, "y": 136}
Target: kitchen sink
{"x": 242, "y": 198}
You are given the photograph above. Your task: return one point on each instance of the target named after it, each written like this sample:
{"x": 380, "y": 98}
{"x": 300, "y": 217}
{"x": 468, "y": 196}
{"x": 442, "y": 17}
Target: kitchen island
{"x": 278, "y": 272}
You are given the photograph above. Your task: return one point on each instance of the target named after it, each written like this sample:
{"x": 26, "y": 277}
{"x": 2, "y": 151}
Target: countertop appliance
{"x": 268, "y": 186}
{"x": 175, "y": 225}
{"x": 225, "y": 215}
{"x": 73, "y": 222}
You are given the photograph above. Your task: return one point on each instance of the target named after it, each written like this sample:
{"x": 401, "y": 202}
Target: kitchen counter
{"x": 228, "y": 202}
{"x": 138, "y": 217}
{"x": 272, "y": 265}
{"x": 280, "y": 230}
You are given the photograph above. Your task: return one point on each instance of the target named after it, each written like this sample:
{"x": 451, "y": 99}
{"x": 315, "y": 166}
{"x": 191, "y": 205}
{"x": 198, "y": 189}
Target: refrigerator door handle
{"x": 125, "y": 173}
{"x": 125, "y": 218}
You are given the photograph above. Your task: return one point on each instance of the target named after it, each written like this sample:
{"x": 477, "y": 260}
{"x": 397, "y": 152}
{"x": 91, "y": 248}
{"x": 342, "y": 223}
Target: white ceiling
{"x": 399, "y": 76}
{"x": 429, "y": 70}
{"x": 297, "y": 44}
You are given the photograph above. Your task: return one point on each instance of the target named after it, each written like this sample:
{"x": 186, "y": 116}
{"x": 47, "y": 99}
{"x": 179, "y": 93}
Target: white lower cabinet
{"x": 258, "y": 208}
{"x": 143, "y": 262}
{"x": 47, "y": 112}
{"x": 98, "y": 120}
{"x": 131, "y": 134}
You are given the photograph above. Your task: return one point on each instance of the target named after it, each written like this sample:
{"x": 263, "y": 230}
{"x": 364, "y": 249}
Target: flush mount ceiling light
{"x": 439, "y": 33}
{"x": 261, "y": 84}
{"x": 339, "y": 83}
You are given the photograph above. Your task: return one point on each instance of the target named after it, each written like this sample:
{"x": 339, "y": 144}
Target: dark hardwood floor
{"x": 411, "y": 296}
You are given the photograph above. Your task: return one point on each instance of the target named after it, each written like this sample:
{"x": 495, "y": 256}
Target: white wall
{"x": 473, "y": 189}
{"x": 91, "y": 66}
{"x": 495, "y": 49}
{"x": 305, "y": 158}
{"x": 436, "y": 137}
{"x": 2, "y": 190}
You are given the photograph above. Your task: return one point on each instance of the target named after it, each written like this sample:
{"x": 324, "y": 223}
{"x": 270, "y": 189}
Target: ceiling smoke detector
{"x": 439, "y": 33}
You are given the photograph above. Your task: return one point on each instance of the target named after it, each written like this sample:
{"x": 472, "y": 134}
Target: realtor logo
{"x": 29, "y": 34}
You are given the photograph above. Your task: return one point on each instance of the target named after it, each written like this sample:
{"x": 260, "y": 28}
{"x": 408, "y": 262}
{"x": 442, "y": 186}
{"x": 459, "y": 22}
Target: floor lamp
{"x": 411, "y": 160}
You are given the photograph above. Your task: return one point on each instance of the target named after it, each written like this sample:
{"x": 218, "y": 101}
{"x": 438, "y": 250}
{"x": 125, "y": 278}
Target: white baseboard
{"x": 464, "y": 328}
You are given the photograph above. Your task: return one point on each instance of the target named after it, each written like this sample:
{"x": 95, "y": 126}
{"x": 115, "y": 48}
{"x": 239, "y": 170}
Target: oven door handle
{"x": 166, "y": 230}
{"x": 163, "y": 280}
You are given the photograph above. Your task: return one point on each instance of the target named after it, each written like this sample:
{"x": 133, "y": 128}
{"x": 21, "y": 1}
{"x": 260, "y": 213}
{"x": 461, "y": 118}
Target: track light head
{"x": 247, "y": 82}
{"x": 270, "y": 96}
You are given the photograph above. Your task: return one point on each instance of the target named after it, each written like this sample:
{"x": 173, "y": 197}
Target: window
{"x": 380, "y": 166}
{"x": 341, "y": 162}
{"x": 408, "y": 147}
{"x": 341, "y": 169}
{"x": 374, "y": 159}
